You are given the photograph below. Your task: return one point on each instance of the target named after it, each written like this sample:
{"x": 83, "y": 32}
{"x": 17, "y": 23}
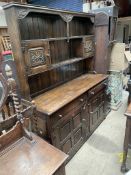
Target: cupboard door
{"x": 94, "y": 116}
{"x": 86, "y": 120}
{"x": 69, "y": 132}
{"x": 101, "y": 106}
{"x": 97, "y": 110}
{"x": 78, "y": 130}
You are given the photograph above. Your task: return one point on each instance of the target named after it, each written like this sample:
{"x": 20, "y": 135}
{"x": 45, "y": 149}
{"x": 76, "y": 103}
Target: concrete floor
{"x": 101, "y": 154}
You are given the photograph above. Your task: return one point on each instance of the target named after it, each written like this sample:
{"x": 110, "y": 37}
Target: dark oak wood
{"x": 55, "y": 54}
{"x": 55, "y": 99}
{"x": 71, "y": 112}
{"x": 49, "y": 42}
{"x": 105, "y": 29}
{"x": 22, "y": 152}
{"x": 36, "y": 157}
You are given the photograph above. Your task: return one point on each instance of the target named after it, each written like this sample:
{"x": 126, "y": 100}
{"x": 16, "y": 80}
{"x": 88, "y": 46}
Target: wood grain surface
{"x": 55, "y": 99}
{"x": 32, "y": 158}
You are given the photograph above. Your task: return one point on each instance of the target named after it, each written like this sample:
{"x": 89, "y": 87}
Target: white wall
{"x": 2, "y": 16}
{"x": 120, "y": 27}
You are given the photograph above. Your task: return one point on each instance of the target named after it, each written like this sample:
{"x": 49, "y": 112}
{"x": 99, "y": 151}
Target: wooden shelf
{"x": 55, "y": 39}
{"x": 41, "y": 69}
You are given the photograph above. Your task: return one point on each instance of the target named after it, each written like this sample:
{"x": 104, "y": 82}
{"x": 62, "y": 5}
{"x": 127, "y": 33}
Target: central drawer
{"x": 78, "y": 102}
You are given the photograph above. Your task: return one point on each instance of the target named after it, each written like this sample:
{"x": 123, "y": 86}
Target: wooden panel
{"x": 68, "y": 131}
{"x": 89, "y": 46}
{"x": 101, "y": 57}
{"x": 35, "y": 55}
{"x": 76, "y": 48}
{"x": 81, "y": 26}
{"x": 40, "y": 157}
{"x": 3, "y": 31}
{"x": 94, "y": 120}
{"x": 97, "y": 109}
{"x": 65, "y": 130}
{"x": 50, "y": 79}
{"x": 77, "y": 136}
{"x": 38, "y": 26}
{"x": 66, "y": 147}
{"x": 59, "y": 51}
{"x": 76, "y": 121}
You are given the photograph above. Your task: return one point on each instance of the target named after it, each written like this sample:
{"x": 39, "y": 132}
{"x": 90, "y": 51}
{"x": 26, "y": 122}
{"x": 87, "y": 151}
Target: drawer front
{"x": 97, "y": 89}
{"x": 77, "y": 103}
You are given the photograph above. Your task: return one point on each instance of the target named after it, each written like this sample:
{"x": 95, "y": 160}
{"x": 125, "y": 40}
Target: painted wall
{"x": 120, "y": 29}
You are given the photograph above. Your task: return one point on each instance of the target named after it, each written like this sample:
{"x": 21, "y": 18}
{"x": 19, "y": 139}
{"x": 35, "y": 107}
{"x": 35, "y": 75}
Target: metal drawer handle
{"x": 60, "y": 115}
{"x": 92, "y": 93}
{"x": 81, "y": 99}
{"x": 105, "y": 84}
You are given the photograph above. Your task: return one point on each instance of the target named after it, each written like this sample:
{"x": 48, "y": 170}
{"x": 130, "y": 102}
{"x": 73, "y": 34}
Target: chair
{"x": 21, "y": 151}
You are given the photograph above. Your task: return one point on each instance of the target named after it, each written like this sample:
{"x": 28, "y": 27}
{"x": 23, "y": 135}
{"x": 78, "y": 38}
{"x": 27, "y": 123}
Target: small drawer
{"x": 77, "y": 103}
{"x": 97, "y": 89}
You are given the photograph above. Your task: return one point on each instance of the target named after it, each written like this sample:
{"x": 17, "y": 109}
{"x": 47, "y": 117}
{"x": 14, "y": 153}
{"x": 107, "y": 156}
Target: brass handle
{"x": 92, "y": 93}
{"x": 60, "y": 115}
{"x": 81, "y": 99}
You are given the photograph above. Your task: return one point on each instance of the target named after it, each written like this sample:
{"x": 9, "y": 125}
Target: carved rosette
{"x": 88, "y": 46}
{"x": 37, "y": 56}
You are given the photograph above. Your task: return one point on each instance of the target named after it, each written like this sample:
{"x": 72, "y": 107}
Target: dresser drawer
{"x": 68, "y": 108}
{"x": 97, "y": 89}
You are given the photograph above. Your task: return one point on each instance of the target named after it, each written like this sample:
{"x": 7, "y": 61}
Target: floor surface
{"x": 102, "y": 152}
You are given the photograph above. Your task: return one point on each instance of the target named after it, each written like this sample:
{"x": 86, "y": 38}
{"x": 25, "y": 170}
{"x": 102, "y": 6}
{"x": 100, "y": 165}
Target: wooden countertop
{"x": 53, "y": 100}
{"x": 37, "y": 158}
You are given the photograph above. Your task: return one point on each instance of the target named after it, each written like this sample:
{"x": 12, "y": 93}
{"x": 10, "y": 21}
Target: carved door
{"x": 96, "y": 110}
{"x": 69, "y": 132}
{"x": 36, "y": 55}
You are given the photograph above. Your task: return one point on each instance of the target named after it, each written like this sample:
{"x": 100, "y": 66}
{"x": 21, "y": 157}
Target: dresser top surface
{"x": 53, "y": 100}
{"x": 25, "y": 157}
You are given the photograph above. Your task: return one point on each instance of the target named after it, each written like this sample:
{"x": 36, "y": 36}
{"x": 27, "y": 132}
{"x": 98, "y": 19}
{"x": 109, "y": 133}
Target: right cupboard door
{"x": 96, "y": 110}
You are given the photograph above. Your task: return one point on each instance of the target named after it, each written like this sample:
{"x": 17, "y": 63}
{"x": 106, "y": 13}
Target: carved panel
{"x": 22, "y": 13}
{"x": 88, "y": 46}
{"x": 37, "y": 56}
{"x": 66, "y": 17}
